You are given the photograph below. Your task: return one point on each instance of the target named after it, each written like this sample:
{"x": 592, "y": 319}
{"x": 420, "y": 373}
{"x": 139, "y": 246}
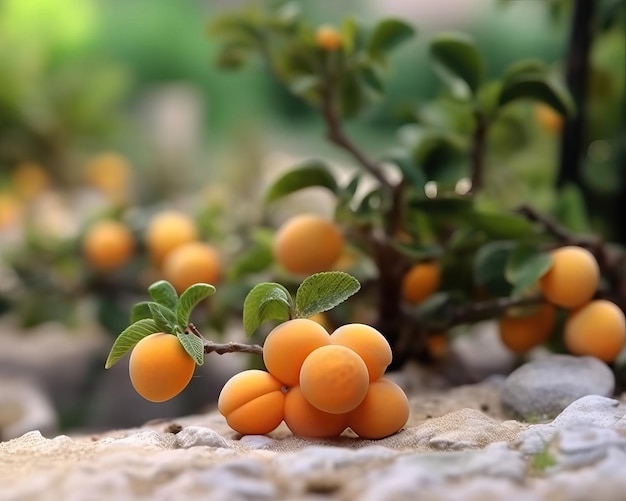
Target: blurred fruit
{"x": 307, "y": 244}
{"x": 30, "y": 179}
{"x": 191, "y": 263}
{"x": 10, "y": 210}
{"x": 420, "y": 282}
{"x": 328, "y": 38}
{"x": 521, "y": 333}
{"x": 547, "y": 118}
{"x": 159, "y": 367}
{"x": 110, "y": 173}
{"x": 108, "y": 245}
{"x": 597, "y": 329}
{"x": 168, "y": 230}
{"x": 573, "y": 278}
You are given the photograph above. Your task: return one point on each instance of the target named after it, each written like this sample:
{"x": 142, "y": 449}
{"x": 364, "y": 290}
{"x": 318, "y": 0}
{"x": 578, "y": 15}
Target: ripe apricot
{"x": 110, "y": 173}
{"x": 573, "y": 278}
{"x": 289, "y": 344}
{"x": 368, "y": 343}
{"x": 597, "y": 329}
{"x": 108, "y": 244}
{"x": 191, "y": 263}
{"x": 307, "y": 244}
{"x": 420, "y": 281}
{"x": 159, "y": 367}
{"x": 252, "y": 402}
{"x": 328, "y": 38}
{"x": 305, "y": 420}
{"x": 383, "y": 411}
{"x": 549, "y": 119}
{"x": 521, "y": 333}
{"x": 10, "y": 210}
{"x": 438, "y": 345}
{"x": 334, "y": 379}
{"x": 166, "y": 231}
{"x": 30, "y": 179}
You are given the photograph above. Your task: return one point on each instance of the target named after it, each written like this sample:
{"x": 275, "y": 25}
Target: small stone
{"x": 543, "y": 388}
{"x": 195, "y": 436}
{"x": 258, "y": 442}
{"x": 585, "y": 445}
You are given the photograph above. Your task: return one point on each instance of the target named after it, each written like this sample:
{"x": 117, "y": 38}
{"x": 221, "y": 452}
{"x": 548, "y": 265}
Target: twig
{"x": 221, "y": 348}
{"x": 490, "y": 308}
{"x": 553, "y": 227}
{"x": 477, "y": 153}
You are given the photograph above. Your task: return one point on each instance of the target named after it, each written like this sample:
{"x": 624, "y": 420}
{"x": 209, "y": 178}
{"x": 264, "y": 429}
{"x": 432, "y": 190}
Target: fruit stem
{"x": 221, "y": 348}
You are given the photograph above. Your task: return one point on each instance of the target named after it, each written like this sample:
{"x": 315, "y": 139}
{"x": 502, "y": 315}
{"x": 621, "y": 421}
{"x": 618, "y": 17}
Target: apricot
{"x": 597, "y": 329}
{"x": 159, "y": 367}
{"x": 438, "y": 345}
{"x": 549, "y": 119}
{"x": 573, "y": 278}
{"x": 289, "y": 344}
{"x": 420, "y": 281}
{"x": 307, "y": 244}
{"x": 10, "y": 210}
{"x": 521, "y": 333}
{"x": 191, "y": 263}
{"x": 368, "y": 343}
{"x": 168, "y": 230}
{"x": 110, "y": 173}
{"x": 30, "y": 179}
{"x": 108, "y": 245}
{"x": 328, "y": 38}
{"x": 383, "y": 411}
{"x": 252, "y": 402}
{"x": 305, "y": 420}
{"x": 334, "y": 379}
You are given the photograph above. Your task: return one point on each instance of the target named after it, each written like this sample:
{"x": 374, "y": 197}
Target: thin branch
{"x": 477, "y": 153}
{"x": 490, "y": 308}
{"x": 221, "y": 348}
{"x": 554, "y": 228}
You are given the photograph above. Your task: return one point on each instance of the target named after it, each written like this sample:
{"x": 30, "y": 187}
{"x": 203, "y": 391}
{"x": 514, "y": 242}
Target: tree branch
{"x": 477, "y": 153}
{"x": 221, "y": 348}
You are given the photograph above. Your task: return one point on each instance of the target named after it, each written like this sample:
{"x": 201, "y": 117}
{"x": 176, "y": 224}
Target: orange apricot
{"x": 368, "y": 343}
{"x": 438, "y": 345}
{"x": 10, "y": 210}
{"x": 287, "y": 346}
{"x": 110, "y": 173}
{"x": 159, "y": 367}
{"x": 252, "y": 402}
{"x": 191, "y": 263}
{"x": 549, "y": 119}
{"x": 573, "y": 278}
{"x": 597, "y": 329}
{"x": 307, "y": 244}
{"x": 108, "y": 245}
{"x": 168, "y": 230}
{"x": 305, "y": 420}
{"x": 328, "y": 38}
{"x": 420, "y": 281}
{"x": 383, "y": 411}
{"x": 334, "y": 379}
{"x": 521, "y": 333}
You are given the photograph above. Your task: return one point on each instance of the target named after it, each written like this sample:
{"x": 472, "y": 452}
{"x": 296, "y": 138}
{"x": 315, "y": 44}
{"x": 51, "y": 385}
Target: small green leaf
{"x": 164, "y": 317}
{"x": 323, "y": 291}
{"x": 193, "y": 346}
{"x": 458, "y": 63}
{"x": 525, "y": 67}
{"x": 257, "y": 257}
{"x": 571, "y": 209}
{"x": 525, "y": 266}
{"x": 388, "y": 34}
{"x": 266, "y": 301}
{"x": 307, "y": 175}
{"x": 189, "y": 299}
{"x": 129, "y": 338}
{"x": 500, "y": 225}
{"x": 410, "y": 170}
{"x": 540, "y": 88}
{"x": 140, "y": 311}
{"x": 489, "y": 265}
{"x": 348, "y": 31}
{"x": 163, "y": 293}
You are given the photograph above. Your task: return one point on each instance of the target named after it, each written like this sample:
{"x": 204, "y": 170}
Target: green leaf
{"x": 164, "y": 317}
{"x": 189, "y": 299}
{"x": 489, "y": 264}
{"x": 307, "y": 175}
{"x": 253, "y": 259}
{"x": 388, "y": 34}
{"x": 525, "y": 67}
{"x": 445, "y": 205}
{"x": 500, "y": 225}
{"x": 193, "y": 346}
{"x": 458, "y": 63}
{"x": 163, "y": 293}
{"x": 129, "y": 338}
{"x": 349, "y": 32}
{"x": 525, "y": 266}
{"x": 140, "y": 311}
{"x": 266, "y": 301}
{"x": 571, "y": 209}
{"x": 539, "y": 88}
{"x": 323, "y": 291}
{"x": 410, "y": 170}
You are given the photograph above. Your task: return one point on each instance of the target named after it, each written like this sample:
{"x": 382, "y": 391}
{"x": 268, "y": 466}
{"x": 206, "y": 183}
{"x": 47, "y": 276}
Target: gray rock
{"x": 261, "y": 442}
{"x": 541, "y": 389}
{"x": 194, "y": 436}
{"x": 24, "y": 407}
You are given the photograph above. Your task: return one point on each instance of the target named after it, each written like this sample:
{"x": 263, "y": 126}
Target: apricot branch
{"x": 221, "y": 348}
{"x": 490, "y": 308}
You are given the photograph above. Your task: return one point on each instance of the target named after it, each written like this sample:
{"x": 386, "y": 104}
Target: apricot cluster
{"x": 318, "y": 384}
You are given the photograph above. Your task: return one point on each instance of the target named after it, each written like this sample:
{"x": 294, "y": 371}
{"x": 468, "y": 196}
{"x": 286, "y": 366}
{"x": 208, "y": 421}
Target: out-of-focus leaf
{"x": 500, "y": 224}
{"x": 388, "y": 34}
{"x": 307, "y": 175}
{"x": 571, "y": 210}
{"x": 489, "y": 264}
{"x": 539, "y": 88}
{"x": 525, "y": 265}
